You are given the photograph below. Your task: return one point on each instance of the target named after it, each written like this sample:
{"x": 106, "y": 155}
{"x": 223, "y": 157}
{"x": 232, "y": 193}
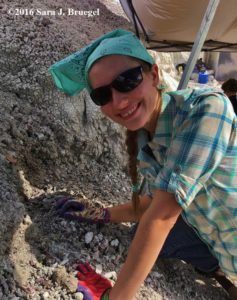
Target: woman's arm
{"x": 125, "y": 212}
{"x": 151, "y": 234}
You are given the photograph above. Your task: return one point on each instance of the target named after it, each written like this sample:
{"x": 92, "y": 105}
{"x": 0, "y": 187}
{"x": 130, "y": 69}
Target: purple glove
{"x": 86, "y": 293}
{"x": 75, "y": 208}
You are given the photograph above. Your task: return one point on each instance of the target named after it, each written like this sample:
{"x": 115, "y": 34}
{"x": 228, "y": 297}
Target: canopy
{"x": 172, "y": 25}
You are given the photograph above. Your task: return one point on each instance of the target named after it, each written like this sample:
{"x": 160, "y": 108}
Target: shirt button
{"x": 177, "y": 169}
{"x": 149, "y": 176}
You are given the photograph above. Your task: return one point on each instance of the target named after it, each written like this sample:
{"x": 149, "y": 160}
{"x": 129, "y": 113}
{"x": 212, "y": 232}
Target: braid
{"x": 132, "y": 149}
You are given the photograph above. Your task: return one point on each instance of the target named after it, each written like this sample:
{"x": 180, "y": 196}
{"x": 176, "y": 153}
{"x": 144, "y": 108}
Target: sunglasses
{"x": 125, "y": 82}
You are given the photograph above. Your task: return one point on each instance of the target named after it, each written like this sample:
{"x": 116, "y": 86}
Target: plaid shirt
{"x": 193, "y": 155}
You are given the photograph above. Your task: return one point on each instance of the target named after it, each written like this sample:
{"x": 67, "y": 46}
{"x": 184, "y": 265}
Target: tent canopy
{"x": 172, "y": 25}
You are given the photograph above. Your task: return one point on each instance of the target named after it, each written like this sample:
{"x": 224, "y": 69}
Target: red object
{"x": 93, "y": 282}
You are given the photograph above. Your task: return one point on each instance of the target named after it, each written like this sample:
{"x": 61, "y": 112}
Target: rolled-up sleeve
{"x": 199, "y": 143}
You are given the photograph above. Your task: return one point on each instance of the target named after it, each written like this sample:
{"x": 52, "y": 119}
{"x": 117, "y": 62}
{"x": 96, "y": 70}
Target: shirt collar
{"x": 170, "y": 104}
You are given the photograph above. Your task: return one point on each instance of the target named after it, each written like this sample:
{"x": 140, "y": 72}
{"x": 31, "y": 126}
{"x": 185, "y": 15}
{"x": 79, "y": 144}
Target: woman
{"x": 230, "y": 89}
{"x": 186, "y": 145}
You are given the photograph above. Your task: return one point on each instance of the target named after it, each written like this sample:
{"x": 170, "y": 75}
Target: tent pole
{"x": 199, "y": 41}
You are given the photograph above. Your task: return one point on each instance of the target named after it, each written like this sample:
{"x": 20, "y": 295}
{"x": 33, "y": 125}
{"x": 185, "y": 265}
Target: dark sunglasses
{"x": 125, "y": 82}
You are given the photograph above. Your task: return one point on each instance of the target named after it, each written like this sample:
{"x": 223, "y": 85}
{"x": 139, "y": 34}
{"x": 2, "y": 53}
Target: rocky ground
{"x": 51, "y": 143}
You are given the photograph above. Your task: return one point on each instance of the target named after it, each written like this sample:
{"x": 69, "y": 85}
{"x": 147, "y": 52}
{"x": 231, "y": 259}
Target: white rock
{"x": 98, "y": 269}
{"x": 148, "y": 280}
{"x": 64, "y": 262}
{"x": 100, "y": 236}
{"x": 114, "y": 243}
{"x": 40, "y": 136}
{"x": 111, "y": 275}
{"x": 78, "y": 296}
{"x": 63, "y": 223}
{"x": 45, "y": 295}
{"x": 156, "y": 274}
{"x": 27, "y": 220}
{"x": 89, "y": 237}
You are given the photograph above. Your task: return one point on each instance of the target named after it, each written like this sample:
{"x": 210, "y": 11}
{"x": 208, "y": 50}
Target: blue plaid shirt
{"x": 193, "y": 154}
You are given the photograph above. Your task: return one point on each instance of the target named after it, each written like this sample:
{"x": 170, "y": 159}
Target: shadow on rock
{"x": 59, "y": 245}
{"x": 11, "y": 215}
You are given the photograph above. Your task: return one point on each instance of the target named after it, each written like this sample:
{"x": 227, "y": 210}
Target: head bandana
{"x": 71, "y": 73}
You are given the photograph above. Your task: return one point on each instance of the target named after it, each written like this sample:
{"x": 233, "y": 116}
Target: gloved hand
{"x": 92, "y": 285}
{"x": 75, "y": 208}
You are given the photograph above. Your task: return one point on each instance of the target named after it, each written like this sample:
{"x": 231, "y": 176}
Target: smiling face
{"x": 135, "y": 109}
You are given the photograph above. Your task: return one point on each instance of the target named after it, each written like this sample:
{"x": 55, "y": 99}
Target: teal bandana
{"x": 71, "y": 73}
